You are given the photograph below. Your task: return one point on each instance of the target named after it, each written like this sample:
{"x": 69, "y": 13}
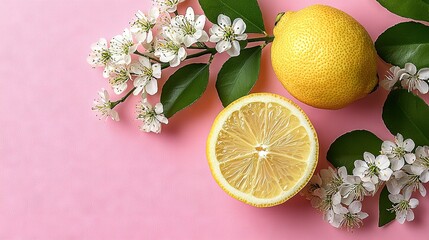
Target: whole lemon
{"x": 324, "y": 57}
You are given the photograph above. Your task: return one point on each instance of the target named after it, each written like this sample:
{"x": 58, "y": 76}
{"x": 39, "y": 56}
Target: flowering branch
{"x": 163, "y": 37}
{"x": 400, "y": 166}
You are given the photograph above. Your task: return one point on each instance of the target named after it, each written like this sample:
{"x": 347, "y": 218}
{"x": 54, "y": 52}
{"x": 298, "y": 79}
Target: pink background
{"x": 64, "y": 174}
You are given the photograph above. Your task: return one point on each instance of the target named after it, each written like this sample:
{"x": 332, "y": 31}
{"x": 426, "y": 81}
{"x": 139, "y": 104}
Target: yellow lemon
{"x": 324, "y": 57}
{"x": 262, "y": 149}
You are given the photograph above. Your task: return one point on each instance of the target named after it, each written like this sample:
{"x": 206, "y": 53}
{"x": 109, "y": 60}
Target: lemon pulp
{"x": 262, "y": 149}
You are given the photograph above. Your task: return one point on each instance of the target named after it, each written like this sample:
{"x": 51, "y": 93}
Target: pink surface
{"x": 66, "y": 175}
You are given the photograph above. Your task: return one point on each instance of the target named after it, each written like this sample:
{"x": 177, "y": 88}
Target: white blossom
{"x": 118, "y": 78}
{"x": 226, "y": 36}
{"x": 142, "y": 26}
{"x": 101, "y": 56}
{"x": 167, "y": 5}
{"x": 152, "y": 117}
{"x": 392, "y": 78}
{"x": 170, "y": 49}
{"x": 412, "y": 177}
{"x": 331, "y": 181}
{"x": 122, "y": 46}
{"x": 190, "y": 27}
{"x": 373, "y": 169}
{"x": 328, "y": 202}
{"x": 355, "y": 189}
{"x": 103, "y": 106}
{"x": 146, "y": 76}
{"x": 403, "y": 205}
{"x": 412, "y": 79}
{"x": 350, "y": 217}
{"x": 399, "y": 152}
{"x": 422, "y": 158}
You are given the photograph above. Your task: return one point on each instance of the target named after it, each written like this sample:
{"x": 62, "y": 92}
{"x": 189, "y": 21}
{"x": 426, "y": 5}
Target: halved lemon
{"x": 262, "y": 149}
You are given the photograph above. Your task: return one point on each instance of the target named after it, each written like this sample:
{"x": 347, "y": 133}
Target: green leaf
{"x": 403, "y": 43}
{"x": 184, "y": 87}
{"x": 407, "y": 114}
{"x": 415, "y": 9}
{"x": 348, "y": 148}
{"x": 248, "y": 10}
{"x": 384, "y": 216}
{"x": 238, "y": 75}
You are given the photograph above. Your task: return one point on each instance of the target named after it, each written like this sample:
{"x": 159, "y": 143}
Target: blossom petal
{"x": 422, "y": 190}
{"x": 156, "y": 70}
{"x": 190, "y": 14}
{"x": 204, "y": 37}
{"x": 360, "y": 163}
{"x": 395, "y": 198}
{"x": 342, "y": 172}
{"x": 422, "y": 86}
{"x": 369, "y": 186}
{"x": 144, "y": 61}
{"x": 241, "y": 37}
{"x": 337, "y": 219}
{"x": 413, "y": 202}
{"x": 362, "y": 215}
{"x": 382, "y": 162}
{"x": 423, "y": 73}
{"x": 141, "y": 36}
{"x": 200, "y": 22}
{"x": 424, "y": 176}
{"x": 118, "y": 89}
{"x": 138, "y": 89}
{"x": 411, "y": 68}
{"x": 359, "y": 171}
{"x": 215, "y": 38}
{"x": 189, "y": 40}
{"x": 182, "y": 53}
{"x": 410, "y": 215}
{"x": 223, "y": 20}
{"x": 149, "y": 37}
{"x": 234, "y": 50}
{"x": 397, "y": 163}
{"x": 114, "y": 115}
{"x": 223, "y": 46}
{"x": 162, "y": 119}
{"x": 355, "y": 207}
{"x": 410, "y": 158}
{"x": 393, "y": 186}
{"x": 387, "y": 147}
{"x": 336, "y": 198}
{"x": 407, "y": 193}
{"x": 401, "y": 216}
{"x": 369, "y": 157}
{"x": 159, "y": 108}
{"x": 175, "y": 62}
{"x": 152, "y": 87}
{"x": 239, "y": 26}
{"x": 339, "y": 209}
{"x": 409, "y": 145}
{"x": 385, "y": 174}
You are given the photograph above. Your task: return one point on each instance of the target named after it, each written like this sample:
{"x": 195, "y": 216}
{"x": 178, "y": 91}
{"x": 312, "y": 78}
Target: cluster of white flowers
{"x": 153, "y": 41}
{"x": 408, "y": 77}
{"x": 401, "y": 166}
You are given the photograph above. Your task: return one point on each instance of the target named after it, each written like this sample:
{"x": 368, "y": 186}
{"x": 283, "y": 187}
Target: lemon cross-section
{"x": 262, "y": 149}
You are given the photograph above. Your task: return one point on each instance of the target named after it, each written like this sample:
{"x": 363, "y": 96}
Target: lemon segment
{"x": 262, "y": 149}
